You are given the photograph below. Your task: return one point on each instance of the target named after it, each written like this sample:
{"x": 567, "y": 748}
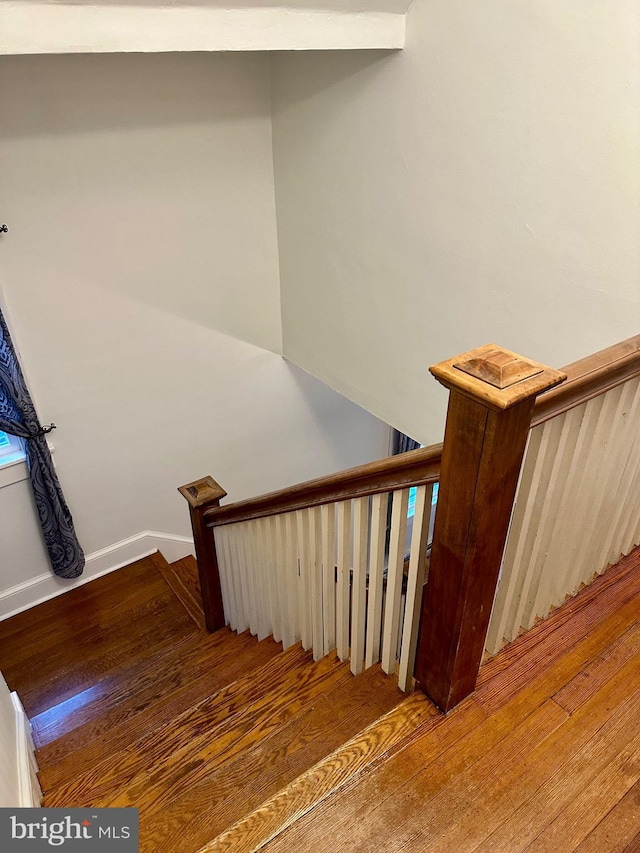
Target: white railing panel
{"x": 602, "y": 453}
{"x": 260, "y": 589}
{"x": 267, "y": 540}
{"x": 563, "y": 432}
{"x": 379, "y": 506}
{"x": 415, "y": 583}
{"x": 343, "y": 583}
{"x": 618, "y": 541}
{"x": 316, "y": 581}
{"x": 577, "y": 509}
{"x": 609, "y": 483}
{"x": 304, "y": 580}
{"x": 224, "y": 568}
{"x": 393, "y": 599}
{"x": 359, "y": 583}
{"x": 328, "y": 525}
{"x": 292, "y": 572}
{"x": 287, "y": 616}
{"x": 235, "y": 577}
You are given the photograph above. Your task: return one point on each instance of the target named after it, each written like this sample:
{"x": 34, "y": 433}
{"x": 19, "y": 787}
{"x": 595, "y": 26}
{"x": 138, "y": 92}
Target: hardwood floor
{"x": 227, "y": 744}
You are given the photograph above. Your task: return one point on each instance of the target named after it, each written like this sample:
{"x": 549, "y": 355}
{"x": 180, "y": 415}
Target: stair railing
{"x": 315, "y": 562}
{"x": 577, "y": 508}
{"x": 312, "y": 562}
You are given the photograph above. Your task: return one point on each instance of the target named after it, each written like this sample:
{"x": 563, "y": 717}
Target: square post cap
{"x": 496, "y": 377}
{"x": 202, "y": 492}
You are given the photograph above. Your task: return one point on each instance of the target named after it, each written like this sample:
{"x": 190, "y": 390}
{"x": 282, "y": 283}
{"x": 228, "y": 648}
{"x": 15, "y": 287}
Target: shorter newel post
{"x": 492, "y": 394}
{"x": 201, "y": 496}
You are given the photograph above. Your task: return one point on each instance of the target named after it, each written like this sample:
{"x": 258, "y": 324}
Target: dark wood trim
{"x": 201, "y": 495}
{"x": 589, "y": 377}
{"x": 202, "y": 492}
{"x": 480, "y": 468}
{"x": 485, "y": 438}
{"x": 208, "y": 570}
{"x": 417, "y": 467}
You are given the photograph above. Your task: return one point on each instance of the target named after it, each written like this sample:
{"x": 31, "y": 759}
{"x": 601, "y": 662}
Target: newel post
{"x": 202, "y": 495}
{"x": 492, "y": 394}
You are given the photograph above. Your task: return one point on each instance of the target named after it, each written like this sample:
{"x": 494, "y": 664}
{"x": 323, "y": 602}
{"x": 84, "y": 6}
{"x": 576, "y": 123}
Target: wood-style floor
{"x": 227, "y": 744}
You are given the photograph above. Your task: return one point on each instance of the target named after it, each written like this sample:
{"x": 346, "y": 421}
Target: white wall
{"x": 480, "y": 186}
{"x": 140, "y": 275}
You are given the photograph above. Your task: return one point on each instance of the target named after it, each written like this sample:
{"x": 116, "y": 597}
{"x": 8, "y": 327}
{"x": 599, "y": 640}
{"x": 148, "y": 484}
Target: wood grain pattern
{"x": 208, "y": 570}
{"x": 102, "y": 740}
{"x": 225, "y": 796}
{"x": 291, "y": 755}
{"x": 589, "y": 377}
{"x": 617, "y": 832}
{"x": 417, "y": 467}
{"x": 483, "y": 450}
{"x": 182, "y": 577}
{"x": 148, "y": 616}
{"x": 117, "y": 696}
{"x": 326, "y": 777}
{"x": 189, "y": 730}
{"x": 357, "y": 818}
{"x": 496, "y": 377}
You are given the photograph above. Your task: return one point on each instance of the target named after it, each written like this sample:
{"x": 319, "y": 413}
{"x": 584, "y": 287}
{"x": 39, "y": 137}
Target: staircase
{"x": 225, "y": 742}
{"x": 228, "y": 745}
{"x": 133, "y": 703}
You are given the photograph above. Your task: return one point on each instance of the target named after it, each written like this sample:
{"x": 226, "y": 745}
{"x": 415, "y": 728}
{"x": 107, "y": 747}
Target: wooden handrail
{"x": 414, "y": 468}
{"x": 588, "y": 378}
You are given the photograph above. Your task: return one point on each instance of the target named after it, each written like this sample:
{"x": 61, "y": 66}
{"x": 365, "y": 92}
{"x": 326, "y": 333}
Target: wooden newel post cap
{"x": 202, "y": 492}
{"x": 496, "y": 377}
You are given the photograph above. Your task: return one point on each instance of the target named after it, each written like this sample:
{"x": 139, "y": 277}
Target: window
{"x": 11, "y": 450}
{"x": 413, "y": 491}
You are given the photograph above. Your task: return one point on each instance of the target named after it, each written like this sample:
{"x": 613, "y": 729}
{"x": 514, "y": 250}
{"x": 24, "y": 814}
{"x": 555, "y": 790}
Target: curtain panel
{"x": 402, "y": 443}
{"x": 18, "y": 417}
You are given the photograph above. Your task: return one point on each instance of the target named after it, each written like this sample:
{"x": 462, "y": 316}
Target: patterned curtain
{"x": 402, "y": 443}
{"x": 18, "y": 417}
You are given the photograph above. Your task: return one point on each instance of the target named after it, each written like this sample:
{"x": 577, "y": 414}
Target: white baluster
{"x": 415, "y": 583}
{"x": 304, "y": 580}
{"x": 315, "y": 569}
{"x": 328, "y": 523}
{"x": 359, "y": 584}
{"x": 219, "y": 534}
{"x": 343, "y": 587}
{"x": 379, "y": 505}
{"x": 393, "y": 599}
{"x": 292, "y": 571}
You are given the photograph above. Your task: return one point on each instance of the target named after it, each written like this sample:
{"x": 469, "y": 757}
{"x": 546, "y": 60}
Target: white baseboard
{"x": 29, "y": 791}
{"x": 43, "y": 587}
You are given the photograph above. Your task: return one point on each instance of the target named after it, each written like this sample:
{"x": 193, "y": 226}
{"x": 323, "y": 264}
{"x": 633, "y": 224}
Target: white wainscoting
{"x": 45, "y": 586}
{"x": 19, "y": 785}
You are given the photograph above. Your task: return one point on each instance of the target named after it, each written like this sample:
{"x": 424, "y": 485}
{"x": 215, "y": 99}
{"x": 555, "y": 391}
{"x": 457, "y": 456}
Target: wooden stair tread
{"x": 148, "y": 617}
{"x": 182, "y": 577}
{"x": 325, "y": 778}
{"x": 56, "y": 615}
{"x": 241, "y": 785}
{"x": 157, "y": 678}
{"x": 229, "y": 744}
{"x": 190, "y": 730}
{"x": 493, "y": 758}
{"x": 369, "y": 802}
{"x": 122, "y": 736}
